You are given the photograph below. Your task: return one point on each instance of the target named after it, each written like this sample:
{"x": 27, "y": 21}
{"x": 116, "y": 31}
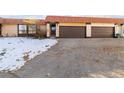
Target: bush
{"x": 39, "y": 36}
{"x": 118, "y": 35}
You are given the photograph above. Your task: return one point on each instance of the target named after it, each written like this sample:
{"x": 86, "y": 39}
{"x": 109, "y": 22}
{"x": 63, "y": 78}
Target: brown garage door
{"x": 72, "y": 31}
{"x": 102, "y": 32}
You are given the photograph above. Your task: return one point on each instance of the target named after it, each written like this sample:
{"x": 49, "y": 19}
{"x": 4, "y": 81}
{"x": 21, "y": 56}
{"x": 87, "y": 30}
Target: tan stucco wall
{"x": 57, "y": 30}
{"x": 88, "y": 30}
{"x": 122, "y": 30}
{"x": 48, "y": 30}
{"x": 72, "y": 24}
{"x": 118, "y": 29}
{"x": 103, "y": 24}
{"x": 9, "y": 30}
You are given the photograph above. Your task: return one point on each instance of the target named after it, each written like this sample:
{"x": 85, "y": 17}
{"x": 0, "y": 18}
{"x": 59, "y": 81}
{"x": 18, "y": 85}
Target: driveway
{"x": 74, "y": 58}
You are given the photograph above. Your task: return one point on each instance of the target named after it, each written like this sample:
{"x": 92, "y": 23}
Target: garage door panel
{"x": 102, "y": 32}
{"x": 72, "y": 31}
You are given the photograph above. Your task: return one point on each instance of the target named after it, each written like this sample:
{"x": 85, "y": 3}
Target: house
{"x": 21, "y": 27}
{"x": 82, "y": 27}
{"x": 63, "y": 27}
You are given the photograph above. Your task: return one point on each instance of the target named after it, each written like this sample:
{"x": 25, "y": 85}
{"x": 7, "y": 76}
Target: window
{"x": 27, "y": 30}
{"x": 22, "y": 29}
{"x": 31, "y": 29}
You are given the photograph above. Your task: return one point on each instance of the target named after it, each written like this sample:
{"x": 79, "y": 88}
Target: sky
{"x": 43, "y": 16}
{"x": 102, "y": 8}
{"x": 23, "y": 16}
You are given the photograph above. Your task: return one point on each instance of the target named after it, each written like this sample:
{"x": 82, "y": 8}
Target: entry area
{"x": 53, "y": 29}
{"x": 72, "y": 31}
{"x": 102, "y": 32}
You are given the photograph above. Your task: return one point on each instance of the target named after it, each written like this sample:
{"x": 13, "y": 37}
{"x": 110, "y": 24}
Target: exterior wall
{"x": 57, "y": 30}
{"x": 42, "y": 30}
{"x": 122, "y": 30}
{"x": 88, "y": 30}
{"x": 48, "y": 30}
{"x": 103, "y": 24}
{"x": 118, "y": 29}
{"x": 9, "y": 30}
{"x": 72, "y": 24}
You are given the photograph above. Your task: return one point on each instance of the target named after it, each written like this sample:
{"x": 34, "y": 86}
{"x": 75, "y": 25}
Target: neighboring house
{"x": 21, "y": 27}
{"x": 63, "y": 27}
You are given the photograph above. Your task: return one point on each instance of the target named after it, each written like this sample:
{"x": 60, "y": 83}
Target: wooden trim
{"x": 88, "y": 23}
{"x": 114, "y": 32}
{"x": 27, "y": 29}
{"x": 18, "y": 29}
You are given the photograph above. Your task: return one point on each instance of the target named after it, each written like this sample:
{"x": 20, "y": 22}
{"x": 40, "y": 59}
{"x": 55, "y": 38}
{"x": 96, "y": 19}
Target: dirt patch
{"x": 26, "y": 56}
{"x": 112, "y": 49}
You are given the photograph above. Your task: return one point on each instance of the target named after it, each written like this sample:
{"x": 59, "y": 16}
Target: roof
{"x": 62, "y": 19}
{"x": 1, "y": 20}
{"x": 69, "y": 19}
{"x": 21, "y": 21}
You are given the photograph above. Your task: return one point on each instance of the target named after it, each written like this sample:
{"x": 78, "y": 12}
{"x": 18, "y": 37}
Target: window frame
{"x": 27, "y": 30}
{"x": 31, "y": 30}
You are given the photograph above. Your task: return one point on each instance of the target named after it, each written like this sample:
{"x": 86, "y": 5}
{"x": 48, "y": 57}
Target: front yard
{"x": 15, "y": 51}
{"x": 69, "y": 58}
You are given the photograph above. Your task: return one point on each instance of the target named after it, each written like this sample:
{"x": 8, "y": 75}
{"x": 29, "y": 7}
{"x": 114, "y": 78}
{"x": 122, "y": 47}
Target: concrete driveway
{"x": 74, "y": 58}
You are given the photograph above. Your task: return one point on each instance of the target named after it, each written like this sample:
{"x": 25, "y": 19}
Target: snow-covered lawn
{"x": 15, "y": 51}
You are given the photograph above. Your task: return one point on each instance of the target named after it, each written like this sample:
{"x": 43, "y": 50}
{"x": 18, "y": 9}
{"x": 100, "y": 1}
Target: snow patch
{"x": 14, "y": 52}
